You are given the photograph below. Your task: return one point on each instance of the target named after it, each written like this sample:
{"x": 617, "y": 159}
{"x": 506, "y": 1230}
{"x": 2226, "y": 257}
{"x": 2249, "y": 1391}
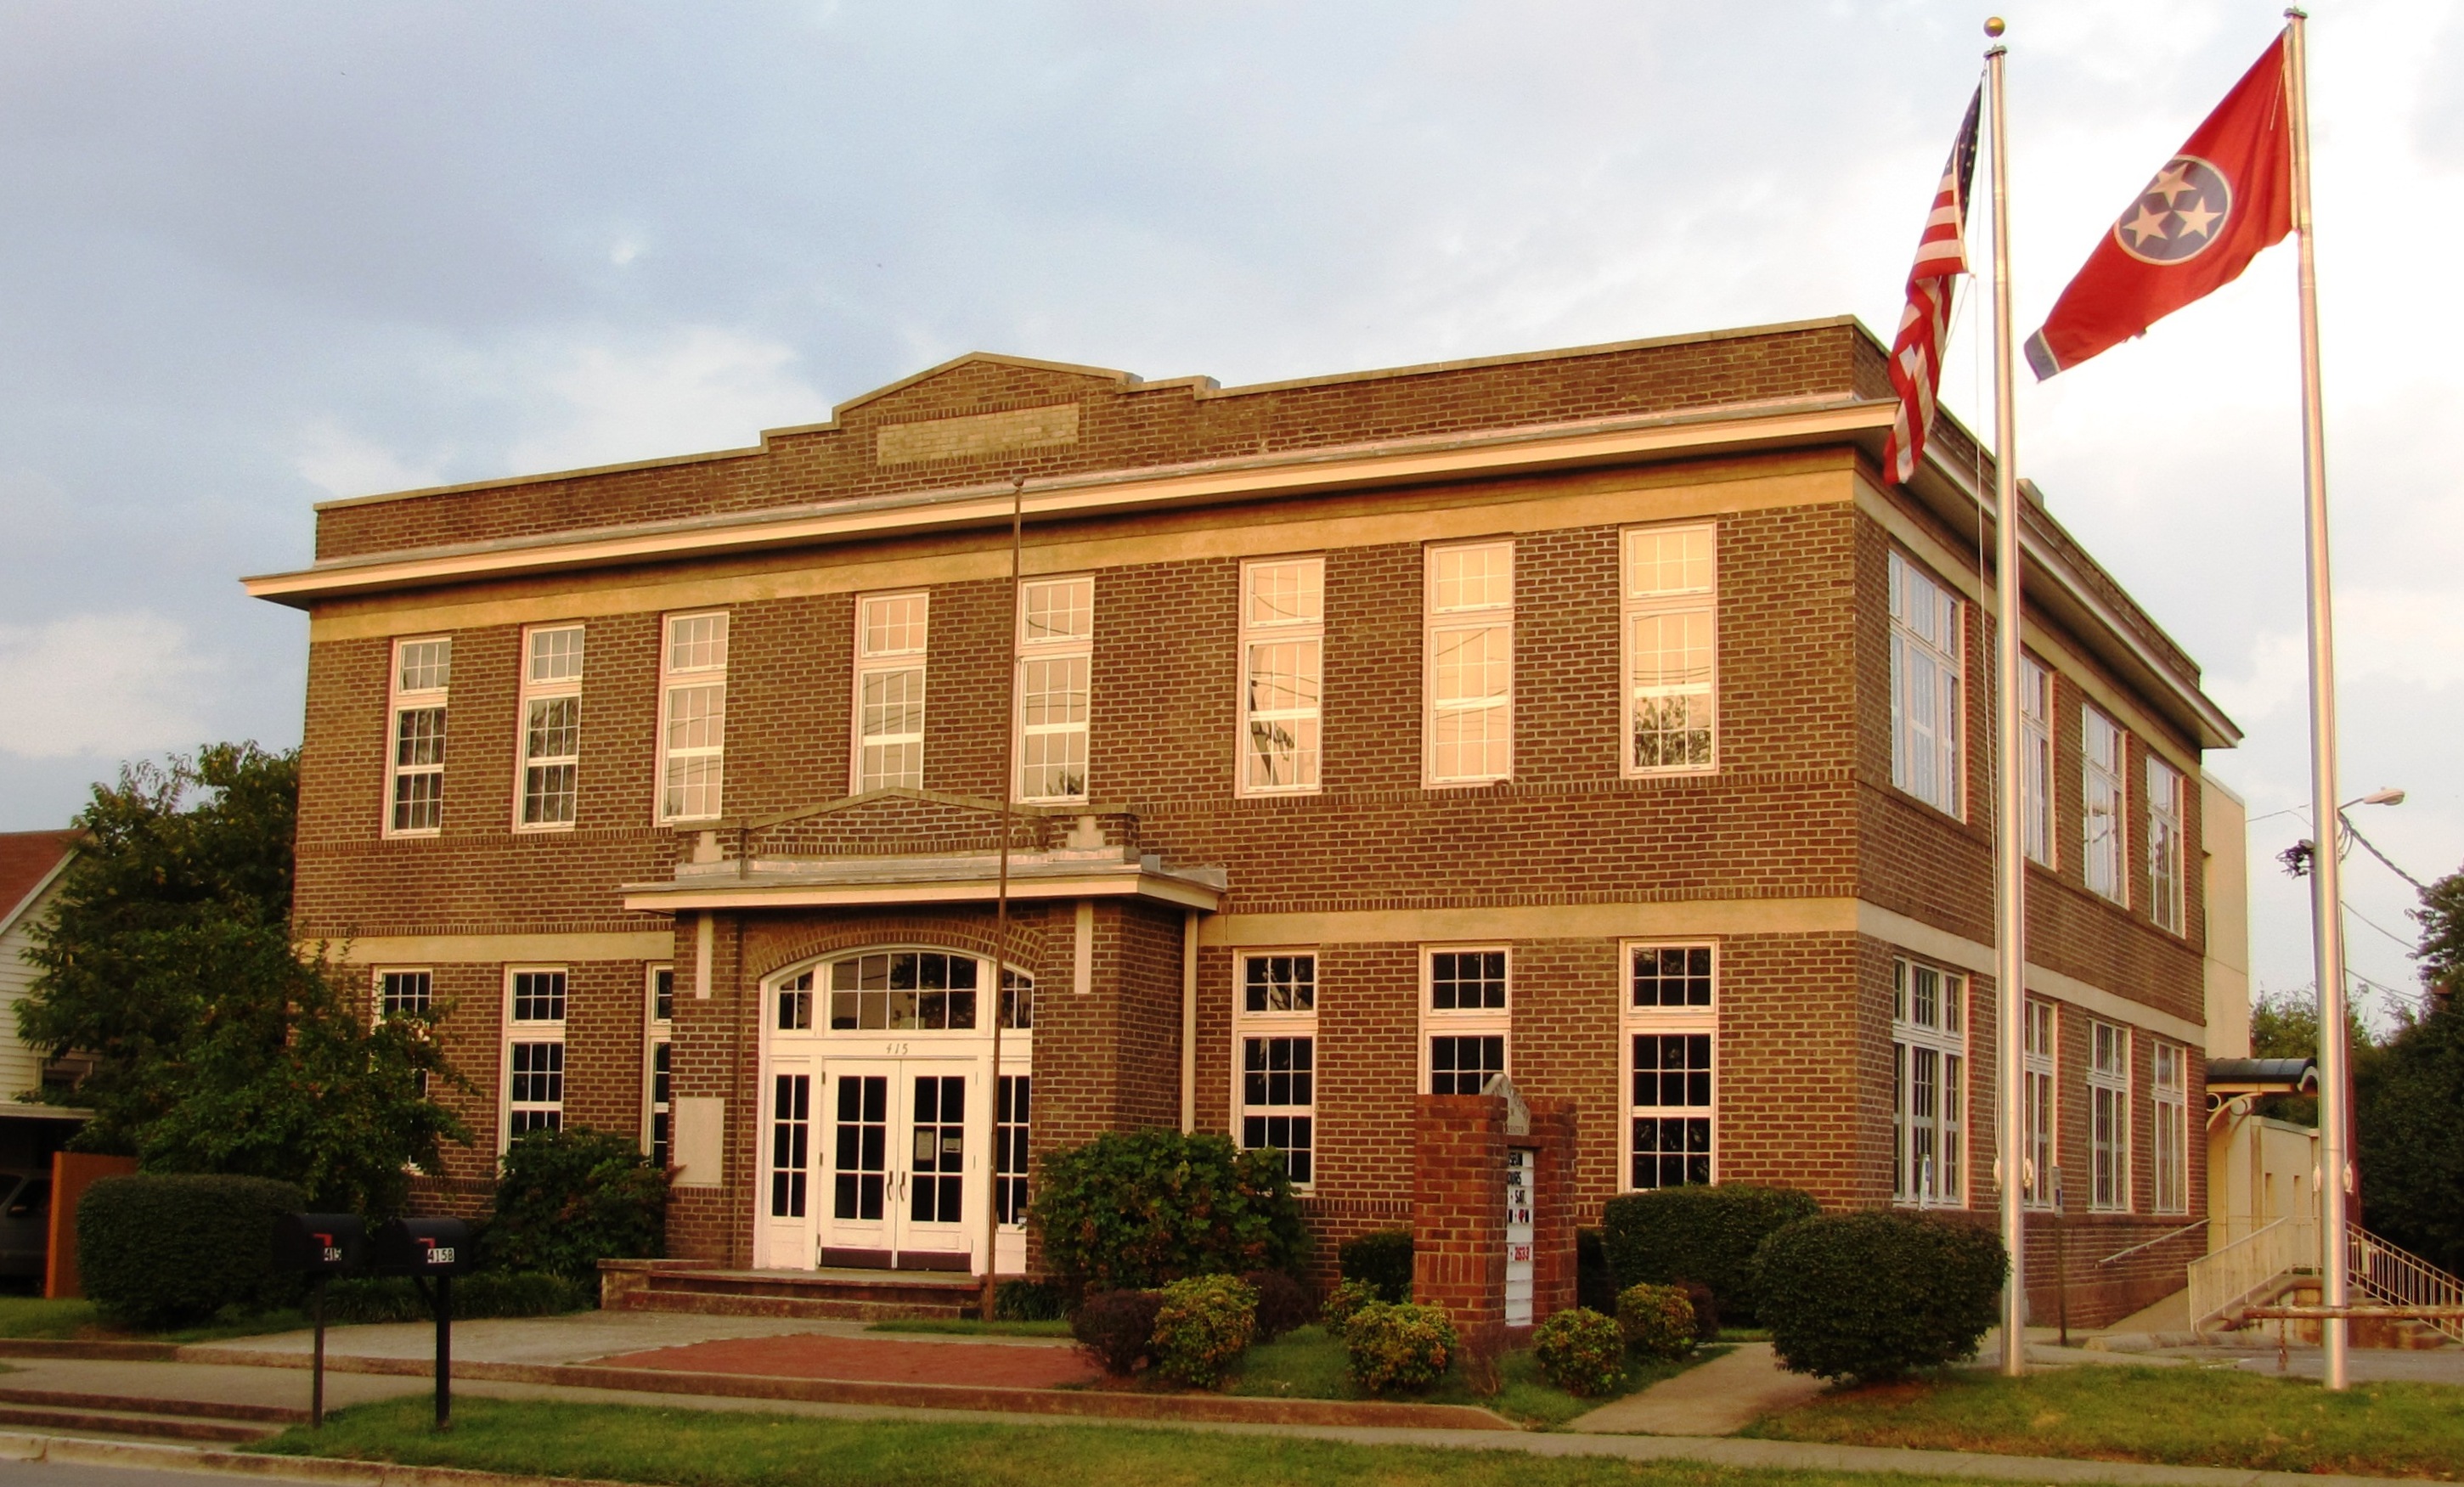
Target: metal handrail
{"x": 2406, "y": 1281}
{"x": 2196, "y": 1223}
{"x": 2224, "y": 1282}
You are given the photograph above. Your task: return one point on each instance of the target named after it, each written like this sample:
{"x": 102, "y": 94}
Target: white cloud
{"x": 341, "y": 463}
{"x": 107, "y": 683}
{"x": 698, "y": 388}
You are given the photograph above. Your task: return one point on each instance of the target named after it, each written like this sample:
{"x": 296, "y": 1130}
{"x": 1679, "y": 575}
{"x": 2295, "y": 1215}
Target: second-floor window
{"x": 1925, "y": 698}
{"x": 693, "y": 716}
{"x": 415, "y": 766}
{"x": 551, "y": 726}
{"x": 1469, "y": 646}
{"x": 2101, "y": 860}
{"x": 2036, "y": 762}
{"x": 2165, "y": 844}
{"x": 1283, "y": 655}
{"x": 889, "y": 635}
{"x": 2108, "y": 1116}
{"x": 1929, "y": 1082}
{"x": 1671, "y": 606}
{"x": 1056, "y": 645}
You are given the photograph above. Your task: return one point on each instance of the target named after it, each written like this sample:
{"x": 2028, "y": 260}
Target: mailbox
{"x": 319, "y": 1244}
{"x": 424, "y": 1247}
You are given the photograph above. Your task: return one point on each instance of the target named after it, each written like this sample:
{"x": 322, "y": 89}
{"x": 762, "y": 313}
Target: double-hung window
{"x": 2101, "y": 858}
{"x": 1671, "y": 603}
{"x": 890, "y": 634}
{"x": 1276, "y": 1017}
{"x": 1056, "y": 647}
{"x": 658, "y": 1104}
{"x": 2108, "y": 1116}
{"x": 1469, "y": 646}
{"x": 1926, "y": 645}
{"x": 551, "y": 726}
{"x": 693, "y": 716}
{"x": 405, "y": 994}
{"x": 1671, "y": 1032}
{"x": 1464, "y": 1019}
{"x": 1929, "y": 1086}
{"x": 2171, "y": 1115}
{"x": 2164, "y": 838}
{"x": 533, "y": 1050}
{"x": 2036, "y": 762}
{"x": 415, "y": 764}
{"x": 2037, "y": 1100}
{"x": 1283, "y": 658}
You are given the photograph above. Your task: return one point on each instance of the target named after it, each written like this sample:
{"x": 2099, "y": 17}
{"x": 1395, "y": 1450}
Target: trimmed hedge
{"x": 1204, "y": 1322}
{"x": 1342, "y": 1303}
{"x": 567, "y": 1199}
{"x": 1581, "y": 1351}
{"x": 171, "y": 1251}
{"x": 1705, "y": 1234}
{"x": 1657, "y": 1321}
{"x": 1594, "y": 1283}
{"x": 1282, "y": 1303}
{"x": 1383, "y": 1260}
{"x": 1116, "y": 1329}
{"x": 1399, "y": 1348}
{"x": 490, "y": 1293}
{"x": 1141, "y": 1208}
{"x": 1864, "y": 1297}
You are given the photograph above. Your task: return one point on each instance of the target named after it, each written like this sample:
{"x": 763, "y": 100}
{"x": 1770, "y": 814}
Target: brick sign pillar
{"x": 1459, "y": 1255}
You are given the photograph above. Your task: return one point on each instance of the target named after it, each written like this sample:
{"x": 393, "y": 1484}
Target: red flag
{"x": 1942, "y": 258}
{"x": 2226, "y": 195}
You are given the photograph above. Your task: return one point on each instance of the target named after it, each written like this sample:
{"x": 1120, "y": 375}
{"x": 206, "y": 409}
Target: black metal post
{"x": 444, "y": 1352}
{"x": 317, "y": 1370}
{"x": 2062, "y": 1273}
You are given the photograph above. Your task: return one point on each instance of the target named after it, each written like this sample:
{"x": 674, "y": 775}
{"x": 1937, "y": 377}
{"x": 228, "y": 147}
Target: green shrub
{"x": 1581, "y": 1351}
{"x": 1707, "y": 1310}
{"x": 1116, "y": 1329}
{"x": 1863, "y": 1297}
{"x": 1029, "y": 1301}
{"x": 1383, "y": 1260}
{"x": 567, "y": 1199}
{"x": 1398, "y": 1347}
{"x": 1657, "y": 1321}
{"x": 1282, "y": 1303}
{"x": 171, "y": 1251}
{"x": 1594, "y": 1283}
{"x": 490, "y": 1293}
{"x": 1699, "y": 1233}
{"x": 1204, "y": 1322}
{"x": 1342, "y": 1303}
{"x": 1133, "y": 1209}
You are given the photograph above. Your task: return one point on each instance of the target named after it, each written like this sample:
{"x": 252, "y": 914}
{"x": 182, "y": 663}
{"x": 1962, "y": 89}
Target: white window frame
{"x": 1930, "y": 1152}
{"x": 546, "y": 679}
{"x": 658, "y": 1033}
{"x": 532, "y": 1032}
{"x": 697, "y": 673}
{"x": 1296, "y": 724}
{"x": 1928, "y": 687}
{"x": 2037, "y": 761}
{"x": 1446, "y": 615}
{"x": 2108, "y": 1116}
{"x": 1042, "y": 645}
{"x": 1648, "y": 603}
{"x": 1270, "y": 1023}
{"x": 1457, "y": 1023}
{"x": 405, "y": 695}
{"x": 2040, "y": 1059}
{"x": 2165, "y": 835}
{"x": 884, "y": 649}
{"x": 2169, "y": 1089}
{"x": 1691, "y": 1019}
{"x": 2104, "y": 855}
{"x": 378, "y": 991}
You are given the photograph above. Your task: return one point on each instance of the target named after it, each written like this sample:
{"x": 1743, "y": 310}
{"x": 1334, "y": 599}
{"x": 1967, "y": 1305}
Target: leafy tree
{"x": 2285, "y": 1025}
{"x": 167, "y": 958}
{"x": 567, "y": 1199}
{"x": 2411, "y": 1141}
{"x": 2441, "y": 952}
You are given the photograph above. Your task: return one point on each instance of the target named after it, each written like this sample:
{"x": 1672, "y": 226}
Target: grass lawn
{"x": 688, "y": 1448}
{"x": 31, "y": 1315}
{"x": 1307, "y": 1364}
{"x": 971, "y": 1326}
{"x": 2189, "y": 1416}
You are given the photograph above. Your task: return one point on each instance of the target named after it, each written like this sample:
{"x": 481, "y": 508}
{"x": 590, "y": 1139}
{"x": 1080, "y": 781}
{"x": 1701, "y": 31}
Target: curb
{"x": 73, "y": 1450}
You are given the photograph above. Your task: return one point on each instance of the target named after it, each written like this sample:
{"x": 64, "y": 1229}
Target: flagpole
{"x": 989, "y": 1302}
{"x": 2010, "y": 860}
{"x": 2326, "y": 863}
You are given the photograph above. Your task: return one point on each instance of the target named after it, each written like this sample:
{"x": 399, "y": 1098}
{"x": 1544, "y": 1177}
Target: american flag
{"x": 1942, "y": 256}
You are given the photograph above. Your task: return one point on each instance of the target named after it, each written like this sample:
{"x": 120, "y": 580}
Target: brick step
{"x": 143, "y": 1417}
{"x": 204, "y": 1409}
{"x": 845, "y": 1295}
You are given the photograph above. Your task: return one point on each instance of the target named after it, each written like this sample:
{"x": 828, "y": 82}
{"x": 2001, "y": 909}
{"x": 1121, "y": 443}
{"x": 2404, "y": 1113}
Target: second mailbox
{"x": 424, "y": 1247}
{"x": 320, "y": 1243}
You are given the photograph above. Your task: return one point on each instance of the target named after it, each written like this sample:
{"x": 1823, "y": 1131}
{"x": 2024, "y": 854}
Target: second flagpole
{"x": 2009, "y": 861}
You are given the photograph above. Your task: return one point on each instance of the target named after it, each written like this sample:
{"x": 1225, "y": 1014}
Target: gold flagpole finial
{"x": 1993, "y": 26}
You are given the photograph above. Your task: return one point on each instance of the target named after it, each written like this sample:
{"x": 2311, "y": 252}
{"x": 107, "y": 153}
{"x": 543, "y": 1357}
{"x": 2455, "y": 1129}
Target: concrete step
{"x": 145, "y": 1418}
{"x": 863, "y": 1296}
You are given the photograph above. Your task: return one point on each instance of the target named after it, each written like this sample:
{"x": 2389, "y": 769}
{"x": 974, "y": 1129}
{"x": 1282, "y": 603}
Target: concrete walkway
{"x": 1717, "y": 1398}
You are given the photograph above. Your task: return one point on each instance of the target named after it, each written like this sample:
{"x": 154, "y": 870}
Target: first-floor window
{"x": 2172, "y": 1131}
{"x": 535, "y": 1100}
{"x": 662, "y": 1132}
{"x": 2108, "y": 1112}
{"x": 791, "y": 1143}
{"x": 405, "y": 994}
{"x": 1672, "y": 1110}
{"x": 1929, "y": 1085}
{"x": 2038, "y": 1101}
{"x": 1010, "y": 1148}
{"x": 1463, "y": 1064}
{"x": 1275, "y": 1013}
{"x": 1466, "y": 1016}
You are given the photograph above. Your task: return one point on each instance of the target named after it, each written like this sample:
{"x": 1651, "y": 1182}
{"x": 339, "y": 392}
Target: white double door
{"x": 881, "y": 1163}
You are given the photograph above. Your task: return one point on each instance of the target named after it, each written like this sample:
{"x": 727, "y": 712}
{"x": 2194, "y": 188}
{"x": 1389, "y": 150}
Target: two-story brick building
{"x": 1598, "y": 716}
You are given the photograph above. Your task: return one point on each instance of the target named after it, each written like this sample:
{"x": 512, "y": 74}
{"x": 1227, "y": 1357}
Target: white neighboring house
{"x": 31, "y": 863}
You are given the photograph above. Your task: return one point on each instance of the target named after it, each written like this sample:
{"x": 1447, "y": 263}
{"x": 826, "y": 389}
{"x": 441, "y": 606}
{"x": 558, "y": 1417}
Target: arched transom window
{"x": 918, "y": 991}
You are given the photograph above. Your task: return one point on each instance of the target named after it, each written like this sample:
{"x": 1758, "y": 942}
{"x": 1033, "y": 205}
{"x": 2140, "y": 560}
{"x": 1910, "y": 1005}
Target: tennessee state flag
{"x": 2227, "y": 194}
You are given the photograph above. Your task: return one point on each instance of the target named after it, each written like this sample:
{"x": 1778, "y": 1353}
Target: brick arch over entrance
{"x": 1026, "y": 943}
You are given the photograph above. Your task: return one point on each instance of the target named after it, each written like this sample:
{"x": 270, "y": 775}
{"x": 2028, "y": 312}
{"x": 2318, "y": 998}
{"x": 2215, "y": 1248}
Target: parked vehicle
{"x": 25, "y": 1222}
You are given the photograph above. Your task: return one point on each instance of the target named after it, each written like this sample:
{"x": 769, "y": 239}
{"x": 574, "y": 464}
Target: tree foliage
{"x": 2285, "y": 1025}
{"x": 2409, "y": 1139}
{"x": 567, "y": 1199}
{"x": 166, "y": 959}
{"x": 1148, "y": 1207}
{"x": 2441, "y": 952}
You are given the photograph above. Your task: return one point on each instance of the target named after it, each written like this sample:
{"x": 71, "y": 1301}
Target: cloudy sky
{"x": 253, "y": 255}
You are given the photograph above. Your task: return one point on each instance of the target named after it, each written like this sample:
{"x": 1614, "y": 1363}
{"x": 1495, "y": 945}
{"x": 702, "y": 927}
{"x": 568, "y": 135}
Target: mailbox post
{"x": 431, "y": 1250}
{"x": 322, "y": 1246}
